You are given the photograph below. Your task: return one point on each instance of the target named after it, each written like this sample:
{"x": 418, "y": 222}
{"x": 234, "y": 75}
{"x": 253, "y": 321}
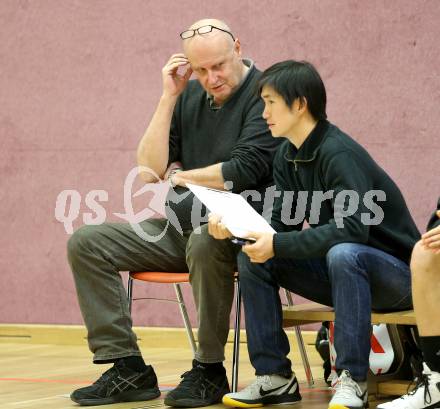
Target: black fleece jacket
{"x": 330, "y": 161}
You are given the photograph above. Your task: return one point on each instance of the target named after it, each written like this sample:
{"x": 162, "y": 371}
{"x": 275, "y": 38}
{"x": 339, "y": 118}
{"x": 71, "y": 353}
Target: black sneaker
{"x": 119, "y": 384}
{"x": 199, "y": 387}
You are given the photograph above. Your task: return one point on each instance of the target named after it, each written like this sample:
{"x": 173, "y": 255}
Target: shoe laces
{"x": 263, "y": 380}
{"x": 196, "y": 377}
{"x": 345, "y": 386}
{"x": 112, "y": 372}
{"x": 422, "y": 383}
{"x": 108, "y": 374}
{"x": 189, "y": 377}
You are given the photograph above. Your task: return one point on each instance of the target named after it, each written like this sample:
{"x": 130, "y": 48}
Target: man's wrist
{"x": 172, "y": 177}
{"x": 168, "y": 99}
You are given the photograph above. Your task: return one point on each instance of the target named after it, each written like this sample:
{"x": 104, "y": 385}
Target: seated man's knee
{"x": 244, "y": 262}
{"x": 342, "y": 254}
{"x": 198, "y": 244}
{"x": 203, "y": 247}
{"x": 424, "y": 260}
{"x": 209, "y": 257}
{"x": 81, "y": 240}
{"x": 249, "y": 270}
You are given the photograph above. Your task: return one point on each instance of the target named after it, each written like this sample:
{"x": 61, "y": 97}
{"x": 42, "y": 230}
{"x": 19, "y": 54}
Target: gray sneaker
{"x": 265, "y": 390}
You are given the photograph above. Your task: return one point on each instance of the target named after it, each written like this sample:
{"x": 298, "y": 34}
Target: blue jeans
{"x": 353, "y": 278}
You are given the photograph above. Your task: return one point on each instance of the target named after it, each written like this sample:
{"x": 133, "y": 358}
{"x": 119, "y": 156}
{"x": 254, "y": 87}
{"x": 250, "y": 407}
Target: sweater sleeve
{"x": 434, "y": 221}
{"x": 348, "y": 205}
{"x": 251, "y": 157}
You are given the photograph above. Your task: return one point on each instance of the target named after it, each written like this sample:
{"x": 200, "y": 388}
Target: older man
{"x": 214, "y": 128}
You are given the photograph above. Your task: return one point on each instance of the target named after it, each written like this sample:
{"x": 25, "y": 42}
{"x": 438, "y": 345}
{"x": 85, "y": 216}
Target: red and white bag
{"x": 381, "y": 353}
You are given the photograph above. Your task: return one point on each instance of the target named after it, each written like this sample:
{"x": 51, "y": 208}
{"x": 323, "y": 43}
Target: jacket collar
{"x": 307, "y": 151}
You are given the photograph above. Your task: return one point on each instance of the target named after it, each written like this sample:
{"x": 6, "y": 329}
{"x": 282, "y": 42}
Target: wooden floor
{"x": 43, "y": 375}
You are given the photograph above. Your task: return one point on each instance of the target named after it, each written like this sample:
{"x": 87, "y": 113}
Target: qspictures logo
{"x": 292, "y": 205}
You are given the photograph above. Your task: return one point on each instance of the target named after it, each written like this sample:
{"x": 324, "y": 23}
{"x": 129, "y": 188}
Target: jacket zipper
{"x": 296, "y": 161}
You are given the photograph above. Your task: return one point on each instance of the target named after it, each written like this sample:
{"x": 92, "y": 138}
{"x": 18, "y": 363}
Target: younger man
{"x": 353, "y": 257}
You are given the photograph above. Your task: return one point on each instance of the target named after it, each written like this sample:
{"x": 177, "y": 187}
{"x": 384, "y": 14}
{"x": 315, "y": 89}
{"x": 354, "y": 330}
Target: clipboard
{"x": 237, "y": 214}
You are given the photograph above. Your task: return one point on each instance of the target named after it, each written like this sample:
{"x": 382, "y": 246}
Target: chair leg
{"x": 301, "y": 346}
{"x": 236, "y": 351}
{"x": 185, "y": 317}
{"x": 130, "y": 293}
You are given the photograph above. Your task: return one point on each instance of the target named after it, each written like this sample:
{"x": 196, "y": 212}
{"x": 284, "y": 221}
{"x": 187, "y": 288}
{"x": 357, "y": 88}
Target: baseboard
{"x": 147, "y": 336}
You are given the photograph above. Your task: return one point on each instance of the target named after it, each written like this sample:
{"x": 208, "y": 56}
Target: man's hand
{"x": 173, "y": 82}
{"x": 216, "y": 228}
{"x": 262, "y": 249}
{"x": 431, "y": 239}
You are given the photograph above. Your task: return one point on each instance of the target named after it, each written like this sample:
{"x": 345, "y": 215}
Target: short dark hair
{"x": 297, "y": 79}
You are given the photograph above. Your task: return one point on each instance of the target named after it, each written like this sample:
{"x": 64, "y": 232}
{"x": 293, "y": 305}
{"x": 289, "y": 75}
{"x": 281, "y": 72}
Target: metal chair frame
{"x": 179, "y": 300}
{"x": 301, "y": 345}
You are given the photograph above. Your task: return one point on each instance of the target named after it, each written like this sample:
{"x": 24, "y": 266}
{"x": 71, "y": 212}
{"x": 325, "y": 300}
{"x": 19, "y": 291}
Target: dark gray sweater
{"x": 235, "y": 134}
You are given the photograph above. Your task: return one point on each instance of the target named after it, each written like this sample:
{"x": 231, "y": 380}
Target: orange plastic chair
{"x": 176, "y": 279}
{"x": 164, "y": 278}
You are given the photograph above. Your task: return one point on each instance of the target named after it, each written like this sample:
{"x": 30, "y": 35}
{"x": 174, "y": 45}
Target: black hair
{"x": 297, "y": 79}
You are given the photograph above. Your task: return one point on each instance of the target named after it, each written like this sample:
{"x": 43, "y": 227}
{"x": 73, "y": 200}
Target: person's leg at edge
{"x": 96, "y": 254}
{"x": 425, "y": 270}
{"x": 212, "y": 264}
{"x": 362, "y": 278}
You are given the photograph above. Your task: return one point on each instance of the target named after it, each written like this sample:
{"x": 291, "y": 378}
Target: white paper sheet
{"x": 237, "y": 214}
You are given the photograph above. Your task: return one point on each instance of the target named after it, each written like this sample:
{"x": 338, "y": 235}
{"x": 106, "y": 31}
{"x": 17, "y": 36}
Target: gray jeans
{"x": 97, "y": 254}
